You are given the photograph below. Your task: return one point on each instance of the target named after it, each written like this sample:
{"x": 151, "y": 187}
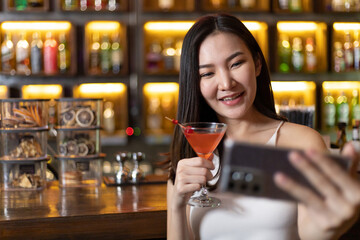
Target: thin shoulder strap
{"x": 273, "y": 140}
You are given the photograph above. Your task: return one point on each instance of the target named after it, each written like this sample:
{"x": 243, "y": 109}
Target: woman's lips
{"x": 232, "y": 99}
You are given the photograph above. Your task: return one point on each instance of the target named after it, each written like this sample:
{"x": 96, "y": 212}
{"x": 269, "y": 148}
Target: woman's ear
{"x": 258, "y": 65}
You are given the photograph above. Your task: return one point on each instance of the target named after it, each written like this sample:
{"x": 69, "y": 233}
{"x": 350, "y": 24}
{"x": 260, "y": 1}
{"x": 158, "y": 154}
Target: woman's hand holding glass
{"x": 191, "y": 174}
{"x": 337, "y": 207}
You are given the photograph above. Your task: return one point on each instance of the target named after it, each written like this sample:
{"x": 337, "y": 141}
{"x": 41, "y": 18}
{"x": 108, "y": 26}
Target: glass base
{"x": 204, "y": 201}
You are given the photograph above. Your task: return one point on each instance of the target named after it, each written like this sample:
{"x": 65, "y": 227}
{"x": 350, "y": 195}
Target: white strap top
{"x": 244, "y": 217}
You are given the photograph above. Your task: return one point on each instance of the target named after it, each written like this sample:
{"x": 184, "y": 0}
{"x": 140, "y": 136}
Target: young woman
{"x": 224, "y": 78}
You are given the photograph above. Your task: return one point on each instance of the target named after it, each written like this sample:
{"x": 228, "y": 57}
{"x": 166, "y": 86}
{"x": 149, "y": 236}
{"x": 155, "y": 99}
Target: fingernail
{"x": 295, "y": 157}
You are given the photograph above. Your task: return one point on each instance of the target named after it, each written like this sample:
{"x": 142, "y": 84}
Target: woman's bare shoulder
{"x": 300, "y": 136}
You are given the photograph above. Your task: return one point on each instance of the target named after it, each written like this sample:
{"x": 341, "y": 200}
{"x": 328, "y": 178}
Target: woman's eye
{"x": 237, "y": 64}
{"x": 206, "y": 74}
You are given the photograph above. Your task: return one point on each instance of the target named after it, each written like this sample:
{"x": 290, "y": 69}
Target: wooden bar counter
{"x": 107, "y": 212}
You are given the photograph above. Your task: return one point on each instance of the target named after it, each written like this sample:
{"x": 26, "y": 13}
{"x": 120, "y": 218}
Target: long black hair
{"x": 192, "y": 107}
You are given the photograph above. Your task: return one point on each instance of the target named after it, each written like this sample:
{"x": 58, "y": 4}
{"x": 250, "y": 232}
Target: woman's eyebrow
{"x": 205, "y": 65}
{"x": 233, "y": 56}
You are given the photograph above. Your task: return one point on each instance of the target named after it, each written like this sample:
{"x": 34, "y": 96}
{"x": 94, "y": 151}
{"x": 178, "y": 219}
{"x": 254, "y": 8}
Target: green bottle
{"x": 105, "y": 54}
{"x": 295, "y": 5}
{"x": 355, "y": 107}
{"x": 342, "y": 108}
{"x": 63, "y": 54}
{"x": 297, "y": 57}
{"x": 20, "y": 5}
{"x": 71, "y": 5}
{"x": 284, "y": 53}
{"x": 329, "y": 110}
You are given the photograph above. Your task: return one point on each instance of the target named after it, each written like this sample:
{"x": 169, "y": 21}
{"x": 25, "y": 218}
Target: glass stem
{"x": 203, "y": 191}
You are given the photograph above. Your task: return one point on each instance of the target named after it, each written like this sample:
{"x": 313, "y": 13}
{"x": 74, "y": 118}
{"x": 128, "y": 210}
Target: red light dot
{"x": 129, "y": 131}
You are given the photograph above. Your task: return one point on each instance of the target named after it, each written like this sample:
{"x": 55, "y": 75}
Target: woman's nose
{"x": 225, "y": 81}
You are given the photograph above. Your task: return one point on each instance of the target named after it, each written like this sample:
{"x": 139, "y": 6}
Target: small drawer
{"x": 79, "y": 113}
{"x": 80, "y": 172}
{"x": 84, "y": 142}
{"x": 23, "y": 175}
{"x": 20, "y": 145}
{"x": 24, "y": 113}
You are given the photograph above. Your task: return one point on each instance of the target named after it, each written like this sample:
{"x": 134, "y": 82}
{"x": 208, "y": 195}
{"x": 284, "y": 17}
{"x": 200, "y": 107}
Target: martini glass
{"x": 203, "y": 137}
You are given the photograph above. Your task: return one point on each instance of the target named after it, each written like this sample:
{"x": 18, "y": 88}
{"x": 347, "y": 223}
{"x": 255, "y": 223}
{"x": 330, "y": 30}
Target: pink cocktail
{"x": 204, "y": 138}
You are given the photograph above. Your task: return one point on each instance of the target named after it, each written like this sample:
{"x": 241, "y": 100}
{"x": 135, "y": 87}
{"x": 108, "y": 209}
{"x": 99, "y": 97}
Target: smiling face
{"x": 227, "y": 75}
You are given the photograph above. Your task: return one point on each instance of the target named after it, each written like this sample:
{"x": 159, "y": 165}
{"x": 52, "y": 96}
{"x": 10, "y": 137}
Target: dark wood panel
{"x": 129, "y": 212}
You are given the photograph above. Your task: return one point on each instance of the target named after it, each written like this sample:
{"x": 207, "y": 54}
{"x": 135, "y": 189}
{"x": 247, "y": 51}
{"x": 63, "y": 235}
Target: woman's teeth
{"x": 230, "y": 98}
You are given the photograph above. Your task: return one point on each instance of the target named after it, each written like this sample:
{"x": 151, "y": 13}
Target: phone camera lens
{"x": 249, "y": 177}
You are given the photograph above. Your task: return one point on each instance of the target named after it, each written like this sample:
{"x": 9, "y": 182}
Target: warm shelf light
{"x": 160, "y": 88}
{"x": 168, "y": 26}
{"x": 299, "y": 92}
{"x": 253, "y": 26}
{"x": 297, "y": 26}
{"x": 340, "y": 85}
{"x": 292, "y": 86}
{"x": 3, "y": 92}
{"x": 349, "y": 26}
{"x": 101, "y": 89}
{"x": 36, "y": 25}
{"x": 103, "y": 26}
{"x": 42, "y": 91}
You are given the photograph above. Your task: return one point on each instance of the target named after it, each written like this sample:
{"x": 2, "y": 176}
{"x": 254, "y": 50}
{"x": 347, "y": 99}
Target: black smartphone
{"x": 248, "y": 169}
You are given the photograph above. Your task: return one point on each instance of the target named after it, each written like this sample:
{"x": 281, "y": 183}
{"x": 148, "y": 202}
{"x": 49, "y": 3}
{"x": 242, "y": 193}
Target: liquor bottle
{"x": 284, "y": 53}
{"x": 168, "y": 109}
{"x": 295, "y": 6}
{"x": 341, "y": 135}
{"x": 232, "y": 3}
{"x": 355, "y": 106}
{"x": 357, "y": 6}
{"x": 83, "y": 5}
{"x": 113, "y": 5}
{"x": 342, "y": 108}
{"x": 153, "y": 57}
{"x": 338, "y": 5}
{"x": 355, "y": 130}
{"x": 36, "y": 3}
{"x": 178, "y": 47}
{"x": 356, "y": 45}
{"x": 166, "y": 5}
{"x": 50, "y": 55}
{"x": 310, "y": 55}
{"x": 105, "y": 54}
{"x": 216, "y": 3}
{"x": 117, "y": 55}
{"x": 297, "y": 57}
{"x": 20, "y": 5}
{"x": 349, "y": 5}
{"x": 22, "y": 53}
{"x": 36, "y": 53}
{"x": 109, "y": 117}
{"x": 99, "y": 5}
{"x": 348, "y": 52}
{"x": 169, "y": 54}
{"x": 329, "y": 110}
{"x": 71, "y": 5}
{"x": 247, "y": 4}
{"x": 339, "y": 59}
{"x": 283, "y": 4}
{"x": 7, "y": 55}
{"x": 154, "y": 116}
{"x": 95, "y": 54}
{"x": 63, "y": 54}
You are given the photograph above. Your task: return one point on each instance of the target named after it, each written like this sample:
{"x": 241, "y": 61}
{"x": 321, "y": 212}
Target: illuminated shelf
{"x": 117, "y": 139}
{"x": 158, "y": 139}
